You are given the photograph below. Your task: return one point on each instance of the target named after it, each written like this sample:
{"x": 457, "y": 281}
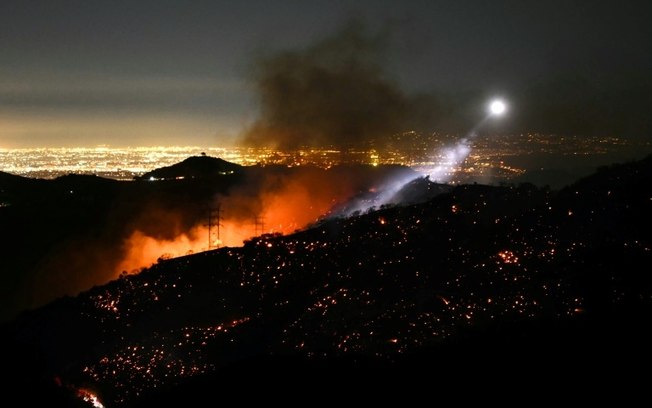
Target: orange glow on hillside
{"x": 294, "y": 204}
{"x": 142, "y": 250}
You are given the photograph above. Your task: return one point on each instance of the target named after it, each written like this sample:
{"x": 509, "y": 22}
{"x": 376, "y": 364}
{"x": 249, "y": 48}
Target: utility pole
{"x": 214, "y": 224}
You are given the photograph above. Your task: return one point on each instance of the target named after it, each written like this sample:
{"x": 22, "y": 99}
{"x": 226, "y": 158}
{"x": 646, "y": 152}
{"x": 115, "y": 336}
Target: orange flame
{"x": 143, "y": 250}
{"x": 300, "y": 201}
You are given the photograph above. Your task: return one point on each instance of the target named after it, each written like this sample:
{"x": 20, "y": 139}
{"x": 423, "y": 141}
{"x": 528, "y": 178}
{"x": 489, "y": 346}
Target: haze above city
{"x": 173, "y": 73}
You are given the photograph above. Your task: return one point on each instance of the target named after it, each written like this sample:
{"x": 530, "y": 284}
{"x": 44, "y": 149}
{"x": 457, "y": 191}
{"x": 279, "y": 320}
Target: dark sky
{"x": 180, "y": 72}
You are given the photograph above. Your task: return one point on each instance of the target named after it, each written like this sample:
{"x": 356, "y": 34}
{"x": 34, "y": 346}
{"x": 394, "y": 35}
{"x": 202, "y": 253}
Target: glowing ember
{"x": 89, "y": 396}
{"x": 508, "y": 257}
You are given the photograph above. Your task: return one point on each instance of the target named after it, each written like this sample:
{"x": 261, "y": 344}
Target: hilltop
{"x": 193, "y": 167}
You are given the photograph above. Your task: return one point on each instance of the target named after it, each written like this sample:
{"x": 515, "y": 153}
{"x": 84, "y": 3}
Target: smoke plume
{"x": 333, "y": 93}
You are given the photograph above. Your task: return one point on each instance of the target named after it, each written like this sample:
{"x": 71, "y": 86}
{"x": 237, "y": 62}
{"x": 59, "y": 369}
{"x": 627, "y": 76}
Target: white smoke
{"x": 449, "y": 161}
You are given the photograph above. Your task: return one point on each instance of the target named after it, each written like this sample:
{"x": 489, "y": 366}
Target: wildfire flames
{"x": 292, "y": 204}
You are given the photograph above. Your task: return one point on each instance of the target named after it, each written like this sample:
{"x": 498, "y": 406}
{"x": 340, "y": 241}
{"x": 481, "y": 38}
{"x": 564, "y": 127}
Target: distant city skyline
{"x": 541, "y": 159}
{"x": 145, "y": 73}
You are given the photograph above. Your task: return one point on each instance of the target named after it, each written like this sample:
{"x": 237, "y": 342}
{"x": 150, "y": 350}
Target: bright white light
{"x": 497, "y": 107}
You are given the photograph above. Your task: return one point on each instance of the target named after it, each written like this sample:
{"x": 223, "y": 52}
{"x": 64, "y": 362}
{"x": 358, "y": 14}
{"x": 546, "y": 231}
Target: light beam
{"x": 452, "y": 157}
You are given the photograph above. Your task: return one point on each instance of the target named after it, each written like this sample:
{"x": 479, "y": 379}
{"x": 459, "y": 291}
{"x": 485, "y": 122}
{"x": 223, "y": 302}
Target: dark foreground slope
{"x": 476, "y": 280}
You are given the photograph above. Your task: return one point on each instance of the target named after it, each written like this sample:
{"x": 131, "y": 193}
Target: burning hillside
{"x": 94, "y": 229}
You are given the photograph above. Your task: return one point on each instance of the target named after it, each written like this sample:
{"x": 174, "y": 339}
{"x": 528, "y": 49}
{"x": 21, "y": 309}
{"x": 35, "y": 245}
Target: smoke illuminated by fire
{"x": 282, "y": 204}
{"x": 143, "y": 250}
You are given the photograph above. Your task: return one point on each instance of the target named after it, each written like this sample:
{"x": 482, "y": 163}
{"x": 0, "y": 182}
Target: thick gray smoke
{"x": 334, "y": 92}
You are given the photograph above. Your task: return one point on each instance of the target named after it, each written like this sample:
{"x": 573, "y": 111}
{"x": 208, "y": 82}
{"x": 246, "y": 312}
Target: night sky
{"x": 83, "y": 73}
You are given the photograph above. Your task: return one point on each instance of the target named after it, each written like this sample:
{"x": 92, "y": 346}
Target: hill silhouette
{"x": 8, "y": 177}
{"x": 193, "y": 167}
{"x": 477, "y": 277}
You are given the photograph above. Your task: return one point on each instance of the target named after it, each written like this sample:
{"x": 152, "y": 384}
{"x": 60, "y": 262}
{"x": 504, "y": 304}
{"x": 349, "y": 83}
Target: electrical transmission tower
{"x": 259, "y": 225}
{"x": 214, "y": 224}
